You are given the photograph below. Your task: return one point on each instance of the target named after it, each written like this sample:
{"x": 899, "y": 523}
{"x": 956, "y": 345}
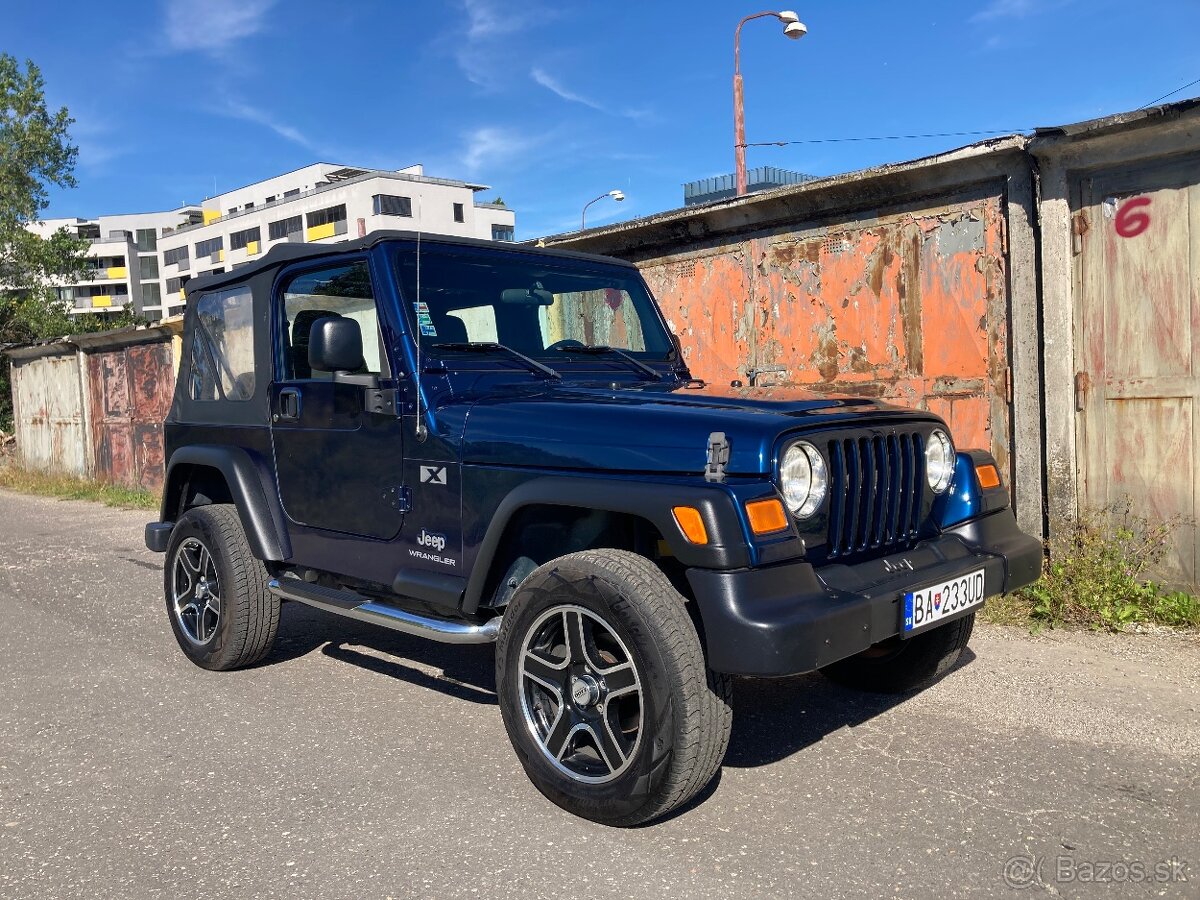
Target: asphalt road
{"x": 360, "y": 763}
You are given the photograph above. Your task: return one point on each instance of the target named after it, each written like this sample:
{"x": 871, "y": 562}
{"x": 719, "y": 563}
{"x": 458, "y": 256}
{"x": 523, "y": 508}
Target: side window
{"x": 204, "y": 382}
{"x": 342, "y": 291}
{"x": 223, "y": 346}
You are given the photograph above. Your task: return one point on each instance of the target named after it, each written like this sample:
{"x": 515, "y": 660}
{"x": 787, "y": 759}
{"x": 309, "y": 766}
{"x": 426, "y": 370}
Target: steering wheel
{"x": 566, "y": 344}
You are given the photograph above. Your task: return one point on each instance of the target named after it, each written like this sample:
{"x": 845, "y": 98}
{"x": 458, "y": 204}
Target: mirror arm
{"x": 369, "y": 381}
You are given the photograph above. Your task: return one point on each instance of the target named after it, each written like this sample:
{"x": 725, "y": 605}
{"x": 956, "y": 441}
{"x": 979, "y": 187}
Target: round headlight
{"x": 803, "y": 479}
{"x": 939, "y": 461}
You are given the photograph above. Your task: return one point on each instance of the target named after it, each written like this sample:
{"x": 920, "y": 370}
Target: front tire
{"x": 604, "y": 689}
{"x": 220, "y": 610}
{"x": 899, "y": 666}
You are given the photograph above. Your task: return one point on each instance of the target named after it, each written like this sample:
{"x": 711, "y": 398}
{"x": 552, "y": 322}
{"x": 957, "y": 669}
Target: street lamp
{"x": 616, "y": 195}
{"x": 792, "y": 28}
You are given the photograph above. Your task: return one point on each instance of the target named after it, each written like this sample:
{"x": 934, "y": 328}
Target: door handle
{"x": 1082, "y": 382}
{"x": 289, "y": 403}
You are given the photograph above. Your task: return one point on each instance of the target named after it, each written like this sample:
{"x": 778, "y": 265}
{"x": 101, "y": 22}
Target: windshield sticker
{"x": 423, "y": 319}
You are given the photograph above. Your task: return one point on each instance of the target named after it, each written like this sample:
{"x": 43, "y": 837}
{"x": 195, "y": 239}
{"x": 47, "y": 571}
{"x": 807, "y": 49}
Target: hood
{"x": 652, "y": 428}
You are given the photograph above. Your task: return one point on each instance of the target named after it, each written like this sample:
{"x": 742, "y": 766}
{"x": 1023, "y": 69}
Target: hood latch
{"x": 718, "y": 457}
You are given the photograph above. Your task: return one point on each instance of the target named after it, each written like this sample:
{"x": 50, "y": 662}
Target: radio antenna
{"x": 421, "y": 431}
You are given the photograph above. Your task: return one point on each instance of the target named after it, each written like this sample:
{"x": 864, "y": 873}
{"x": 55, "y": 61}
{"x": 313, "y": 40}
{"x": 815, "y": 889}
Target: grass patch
{"x": 68, "y": 487}
{"x": 1007, "y": 609}
{"x": 1097, "y": 577}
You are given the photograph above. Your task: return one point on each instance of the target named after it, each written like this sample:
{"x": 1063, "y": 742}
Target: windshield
{"x": 539, "y": 306}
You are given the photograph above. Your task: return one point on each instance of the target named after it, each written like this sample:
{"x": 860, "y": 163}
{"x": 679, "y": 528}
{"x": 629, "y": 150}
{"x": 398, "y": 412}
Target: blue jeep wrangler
{"x": 476, "y": 443}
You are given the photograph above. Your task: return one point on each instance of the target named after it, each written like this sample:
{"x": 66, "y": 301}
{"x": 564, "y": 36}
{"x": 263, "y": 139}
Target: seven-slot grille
{"x": 875, "y": 490}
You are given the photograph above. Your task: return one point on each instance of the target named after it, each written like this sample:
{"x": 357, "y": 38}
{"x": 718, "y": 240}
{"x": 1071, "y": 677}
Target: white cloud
{"x": 478, "y": 52}
{"x": 98, "y": 142}
{"x": 1015, "y": 9}
{"x": 552, "y": 84}
{"x": 485, "y": 21}
{"x": 212, "y": 26}
{"x": 491, "y": 145}
{"x": 485, "y": 49}
{"x": 237, "y": 110}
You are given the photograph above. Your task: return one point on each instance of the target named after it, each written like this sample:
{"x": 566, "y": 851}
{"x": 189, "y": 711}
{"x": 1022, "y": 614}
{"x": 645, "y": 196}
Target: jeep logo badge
{"x": 433, "y": 474}
{"x": 435, "y": 542}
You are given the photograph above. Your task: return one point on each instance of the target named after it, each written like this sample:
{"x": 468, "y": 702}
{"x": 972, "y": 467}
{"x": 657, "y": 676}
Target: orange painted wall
{"x": 909, "y": 307}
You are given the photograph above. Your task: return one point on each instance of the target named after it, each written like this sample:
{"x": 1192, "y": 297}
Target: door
{"x": 1138, "y": 349}
{"x": 339, "y": 466}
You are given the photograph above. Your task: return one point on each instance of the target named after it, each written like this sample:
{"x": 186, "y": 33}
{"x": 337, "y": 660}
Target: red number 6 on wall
{"x": 1131, "y": 220}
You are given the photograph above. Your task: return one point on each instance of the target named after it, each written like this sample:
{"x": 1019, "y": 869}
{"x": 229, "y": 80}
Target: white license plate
{"x": 928, "y": 605}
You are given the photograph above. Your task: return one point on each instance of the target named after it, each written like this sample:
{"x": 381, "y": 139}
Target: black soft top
{"x": 284, "y": 253}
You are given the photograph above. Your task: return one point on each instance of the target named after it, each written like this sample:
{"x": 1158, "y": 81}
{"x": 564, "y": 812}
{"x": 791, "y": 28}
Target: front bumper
{"x": 792, "y": 618}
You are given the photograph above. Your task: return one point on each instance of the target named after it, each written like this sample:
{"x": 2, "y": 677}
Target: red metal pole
{"x": 739, "y": 135}
{"x": 739, "y": 113}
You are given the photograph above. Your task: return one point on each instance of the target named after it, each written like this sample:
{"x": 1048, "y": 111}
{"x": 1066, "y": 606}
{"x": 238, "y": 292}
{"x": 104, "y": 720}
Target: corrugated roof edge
{"x": 1115, "y": 122}
{"x": 97, "y": 340}
{"x": 1013, "y": 142}
{"x": 282, "y": 254}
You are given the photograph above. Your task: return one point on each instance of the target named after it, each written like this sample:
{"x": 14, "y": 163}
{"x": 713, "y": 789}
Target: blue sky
{"x": 555, "y": 103}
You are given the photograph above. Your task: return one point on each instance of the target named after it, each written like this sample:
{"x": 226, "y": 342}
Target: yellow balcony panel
{"x": 252, "y": 248}
{"x": 181, "y": 296}
{"x": 221, "y": 254}
{"x": 317, "y": 232}
{"x": 118, "y": 272}
{"x": 99, "y": 300}
{"x": 210, "y": 215}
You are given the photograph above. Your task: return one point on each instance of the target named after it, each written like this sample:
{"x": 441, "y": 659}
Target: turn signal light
{"x": 766, "y": 516}
{"x": 691, "y": 524}
{"x": 988, "y": 477}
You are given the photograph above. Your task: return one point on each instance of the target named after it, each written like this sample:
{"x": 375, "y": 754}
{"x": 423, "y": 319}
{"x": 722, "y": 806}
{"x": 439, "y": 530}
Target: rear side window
{"x": 222, "y": 349}
{"x": 340, "y": 291}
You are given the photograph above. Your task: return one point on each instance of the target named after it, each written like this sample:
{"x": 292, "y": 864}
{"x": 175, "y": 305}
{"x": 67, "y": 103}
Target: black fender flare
{"x": 726, "y": 547}
{"x": 250, "y": 484}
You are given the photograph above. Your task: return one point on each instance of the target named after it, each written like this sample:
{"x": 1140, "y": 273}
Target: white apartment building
{"x": 321, "y": 203}
{"x": 123, "y": 257}
{"x": 143, "y": 261}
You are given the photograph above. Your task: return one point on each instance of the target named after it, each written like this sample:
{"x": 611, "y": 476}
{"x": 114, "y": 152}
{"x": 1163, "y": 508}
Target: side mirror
{"x": 335, "y": 345}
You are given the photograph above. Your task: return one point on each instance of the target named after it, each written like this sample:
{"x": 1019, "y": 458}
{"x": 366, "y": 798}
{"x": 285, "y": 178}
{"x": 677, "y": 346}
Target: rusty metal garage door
{"x": 131, "y": 389}
{"x": 47, "y": 411}
{"x": 1137, "y": 383}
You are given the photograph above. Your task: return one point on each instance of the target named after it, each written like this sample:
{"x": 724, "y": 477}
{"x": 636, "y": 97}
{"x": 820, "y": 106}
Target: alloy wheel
{"x": 197, "y": 592}
{"x": 581, "y": 694}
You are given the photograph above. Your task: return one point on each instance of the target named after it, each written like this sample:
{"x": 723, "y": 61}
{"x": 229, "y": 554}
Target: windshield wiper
{"x": 488, "y": 347}
{"x": 601, "y": 349}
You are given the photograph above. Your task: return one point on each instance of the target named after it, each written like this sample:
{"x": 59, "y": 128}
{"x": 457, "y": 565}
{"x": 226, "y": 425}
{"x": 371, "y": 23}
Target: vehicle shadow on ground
{"x": 777, "y": 717}
{"x": 773, "y": 718}
{"x": 462, "y": 672}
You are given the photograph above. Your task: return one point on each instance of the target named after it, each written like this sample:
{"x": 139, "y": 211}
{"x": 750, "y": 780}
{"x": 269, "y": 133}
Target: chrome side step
{"x": 356, "y": 606}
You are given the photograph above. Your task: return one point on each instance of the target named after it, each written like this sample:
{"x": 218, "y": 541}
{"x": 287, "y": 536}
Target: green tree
{"x": 36, "y": 154}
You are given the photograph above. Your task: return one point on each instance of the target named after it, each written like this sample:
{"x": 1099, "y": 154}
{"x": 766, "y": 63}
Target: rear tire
{"x": 220, "y": 610}
{"x": 604, "y": 689}
{"x": 898, "y": 666}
